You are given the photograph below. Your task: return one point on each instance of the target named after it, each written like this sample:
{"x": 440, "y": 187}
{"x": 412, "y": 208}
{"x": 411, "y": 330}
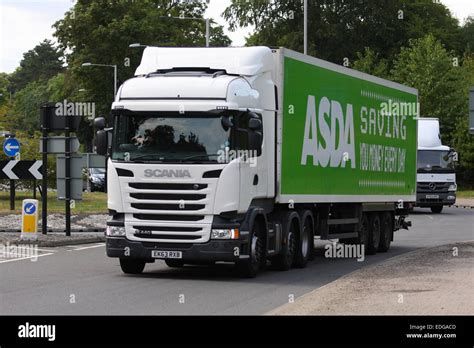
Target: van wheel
{"x": 304, "y": 241}
{"x": 436, "y": 209}
{"x": 249, "y": 268}
{"x": 174, "y": 263}
{"x": 386, "y": 232}
{"x": 284, "y": 260}
{"x": 132, "y": 266}
{"x": 374, "y": 234}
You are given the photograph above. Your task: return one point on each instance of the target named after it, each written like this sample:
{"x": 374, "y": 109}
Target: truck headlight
{"x": 453, "y": 187}
{"x": 115, "y": 231}
{"x": 225, "y": 233}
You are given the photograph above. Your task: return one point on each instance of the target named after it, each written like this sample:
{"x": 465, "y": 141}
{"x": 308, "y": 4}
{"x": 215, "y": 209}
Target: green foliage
{"x": 467, "y": 33}
{"x": 427, "y": 66}
{"x": 339, "y": 29}
{"x": 39, "y": 64}
{"x": 370, "y": 63}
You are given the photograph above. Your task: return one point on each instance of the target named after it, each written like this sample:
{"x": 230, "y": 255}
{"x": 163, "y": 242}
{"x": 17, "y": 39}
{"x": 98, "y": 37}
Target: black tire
{"x": 374, "y": 234}
{"x": 386, "y": 232}
{"x": 132, "y": 266}
{"x": 174, "y": 263}
{"x": 284, "y": 260}
{"x": 436, "y": 209}
{"x": 363, "y": 237}
{"x": 305, "y": 240}
{"x": 249, "y": 268}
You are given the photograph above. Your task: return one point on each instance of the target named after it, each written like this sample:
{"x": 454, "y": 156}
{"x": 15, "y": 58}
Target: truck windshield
{"x": 173, "y": 137}
{"x": 429, "y": 160}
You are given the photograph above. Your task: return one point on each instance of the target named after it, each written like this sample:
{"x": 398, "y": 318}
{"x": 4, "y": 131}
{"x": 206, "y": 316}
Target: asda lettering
{"x": 329, "y": 134}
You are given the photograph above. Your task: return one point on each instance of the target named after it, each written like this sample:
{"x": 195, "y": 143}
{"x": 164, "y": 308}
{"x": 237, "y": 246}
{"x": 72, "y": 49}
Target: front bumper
{"x": 214, "y": 250}
{"x": 434, "y": 199}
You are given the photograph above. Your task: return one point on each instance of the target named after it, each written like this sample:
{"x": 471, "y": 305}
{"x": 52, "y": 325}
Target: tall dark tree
{"x": 338, "y": 29}
{"x": 39, "y": 64}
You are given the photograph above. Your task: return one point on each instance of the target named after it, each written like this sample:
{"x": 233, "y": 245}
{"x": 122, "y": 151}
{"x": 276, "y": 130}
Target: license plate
{"x": 432, "y": 196}
{"x": 165, "y": 254}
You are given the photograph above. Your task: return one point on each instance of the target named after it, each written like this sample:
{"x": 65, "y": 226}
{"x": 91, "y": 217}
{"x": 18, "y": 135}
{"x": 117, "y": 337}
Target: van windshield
{"x": 429, "y": 160}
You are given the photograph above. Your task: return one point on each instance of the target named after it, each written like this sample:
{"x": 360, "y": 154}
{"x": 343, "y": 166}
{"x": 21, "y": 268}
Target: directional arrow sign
{"x": 11, "y": 147}
{"x": 18, "y": 170}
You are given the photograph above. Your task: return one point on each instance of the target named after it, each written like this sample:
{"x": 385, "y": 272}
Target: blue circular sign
{"x": 29, "y": 208}
{"x": 11, "y": 147}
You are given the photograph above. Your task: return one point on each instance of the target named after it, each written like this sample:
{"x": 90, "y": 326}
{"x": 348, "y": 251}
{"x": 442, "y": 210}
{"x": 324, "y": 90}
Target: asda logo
{"x": 329, "y": 134}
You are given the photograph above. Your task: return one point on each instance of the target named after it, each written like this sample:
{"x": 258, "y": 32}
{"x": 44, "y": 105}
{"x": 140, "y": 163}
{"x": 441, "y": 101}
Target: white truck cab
{"x": 436, "y": 177}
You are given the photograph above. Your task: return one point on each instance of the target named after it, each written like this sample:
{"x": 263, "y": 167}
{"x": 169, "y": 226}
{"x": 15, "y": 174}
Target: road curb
{"x": 56, "y": 243}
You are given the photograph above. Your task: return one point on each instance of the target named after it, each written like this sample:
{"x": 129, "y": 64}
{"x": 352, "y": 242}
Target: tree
{"x": 427, "y": 66}
{"x": 338, "y": 29}
{"x": 467, "y": 33}
{"x": 370, "y": 63}
{"x": 39, "y": 64}
{"x": 100, "y": 32}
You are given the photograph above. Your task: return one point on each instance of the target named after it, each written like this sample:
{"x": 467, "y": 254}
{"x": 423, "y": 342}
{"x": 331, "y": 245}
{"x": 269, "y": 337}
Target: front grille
{"x": 162, "y": 186}
{"x": 164, "y": 246}
{"x": 168, "y": 196}
{"x": 156, "y": 206}
{"x": 433, "y": 187}
{"x": 177, "y": 212}
{"x": 167, "y": 228}
{"x": 168, "y": 217}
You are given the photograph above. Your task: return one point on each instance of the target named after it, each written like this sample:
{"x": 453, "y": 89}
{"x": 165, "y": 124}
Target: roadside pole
{"x": 68, "y": 176}
{"x": 44, "y": 190}
{"x": 12, "y": 191}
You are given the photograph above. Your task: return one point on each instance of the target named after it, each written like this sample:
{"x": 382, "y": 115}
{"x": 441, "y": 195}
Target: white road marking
{"x": 89, "y": 247}
{"x": 26, "y": 258}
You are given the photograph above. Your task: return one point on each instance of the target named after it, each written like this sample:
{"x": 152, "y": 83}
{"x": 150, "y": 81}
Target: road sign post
{"x": 11, "y": 147}
{"x": 29, "y": 219}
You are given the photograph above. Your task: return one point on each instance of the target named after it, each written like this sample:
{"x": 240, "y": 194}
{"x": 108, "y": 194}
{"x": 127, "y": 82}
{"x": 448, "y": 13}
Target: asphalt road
{"x": 82, "y": 280}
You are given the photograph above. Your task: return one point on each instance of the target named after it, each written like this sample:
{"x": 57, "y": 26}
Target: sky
{"x": 25, "y": 23}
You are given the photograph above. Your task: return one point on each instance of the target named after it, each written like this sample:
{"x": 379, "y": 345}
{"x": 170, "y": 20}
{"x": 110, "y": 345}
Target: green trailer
{"x": 345, "y": 136}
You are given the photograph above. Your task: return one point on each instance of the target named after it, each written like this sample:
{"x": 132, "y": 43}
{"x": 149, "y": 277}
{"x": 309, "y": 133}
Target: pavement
{"x": 432, "y": 281}
{"x": 52, "y": 239}
{"x": 80, "y": 279}
{"x": 464, "y": 203}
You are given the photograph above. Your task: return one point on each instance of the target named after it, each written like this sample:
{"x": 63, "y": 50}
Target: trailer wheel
{"x": 250, "y": 267}
{"x": 386, "y": 232}
{"x": 436, "y": 209}
{"x": 374, "y": 234}
{"x": 363, "y": 237}
{"x": 174, "y": 263}
{"x": 284, "y": 260}
{"x": 132, "y": 266}
{"x": 305, "y": 240}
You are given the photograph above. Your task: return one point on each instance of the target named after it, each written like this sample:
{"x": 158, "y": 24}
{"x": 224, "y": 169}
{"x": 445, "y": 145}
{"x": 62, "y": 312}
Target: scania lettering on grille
{"x": 167, "y": 173}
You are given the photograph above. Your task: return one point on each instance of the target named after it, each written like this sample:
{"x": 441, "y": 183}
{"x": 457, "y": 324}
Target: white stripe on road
{"x": 25, "y": 258}
{"x": 89, "y": 247}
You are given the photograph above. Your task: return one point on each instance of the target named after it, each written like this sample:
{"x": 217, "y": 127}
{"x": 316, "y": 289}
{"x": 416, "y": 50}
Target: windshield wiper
{"x": 199, "y": 156}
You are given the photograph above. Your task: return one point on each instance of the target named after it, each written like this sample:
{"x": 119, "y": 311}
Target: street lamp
{"x": 206, "y": 20}
{"x": 107, "y": 65}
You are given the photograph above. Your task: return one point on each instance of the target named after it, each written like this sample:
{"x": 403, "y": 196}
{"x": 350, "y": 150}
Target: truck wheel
{"x": 131, "y": 266}
{"x": 305, "y": 241}
{"x": 174, "y": 263}
{"x": 436, "y": 209}
{"x": 250, "y": 267}
{"x": 386, "y": 232}
{"x": 374, "y": 234}
{"x": 363, "y": 237}
{"x": 284, "y": 260}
